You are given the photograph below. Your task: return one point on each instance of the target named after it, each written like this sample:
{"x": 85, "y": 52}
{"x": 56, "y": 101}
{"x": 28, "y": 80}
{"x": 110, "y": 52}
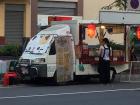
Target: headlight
{"x": 39, "y": 60}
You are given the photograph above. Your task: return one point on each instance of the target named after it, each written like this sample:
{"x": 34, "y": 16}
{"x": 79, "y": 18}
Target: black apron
{"x": 104, "y": 68}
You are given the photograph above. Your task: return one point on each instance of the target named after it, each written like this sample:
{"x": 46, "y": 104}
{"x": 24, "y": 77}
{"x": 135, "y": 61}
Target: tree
{"x": 119, "y": 4}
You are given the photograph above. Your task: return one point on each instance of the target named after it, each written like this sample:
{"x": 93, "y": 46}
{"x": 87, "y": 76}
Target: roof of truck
{"x": 58, "y": 30}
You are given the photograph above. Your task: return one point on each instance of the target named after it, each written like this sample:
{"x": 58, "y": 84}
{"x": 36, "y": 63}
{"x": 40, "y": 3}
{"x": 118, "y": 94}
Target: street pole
{"x": 126, "y": 37}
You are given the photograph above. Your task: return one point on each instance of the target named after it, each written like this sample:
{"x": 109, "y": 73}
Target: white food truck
{"x": 60, "y": 53}
{"x": 66, "y": 51}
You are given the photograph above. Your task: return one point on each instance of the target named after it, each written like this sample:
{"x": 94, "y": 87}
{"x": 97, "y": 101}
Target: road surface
{"x": 80, "y": 94}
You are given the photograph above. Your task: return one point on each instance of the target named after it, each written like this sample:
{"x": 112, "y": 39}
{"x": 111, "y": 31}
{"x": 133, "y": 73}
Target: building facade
{"x": 57, "y": 7}
{"x": 18, "y": 20}
{"x": 89, "y": 9}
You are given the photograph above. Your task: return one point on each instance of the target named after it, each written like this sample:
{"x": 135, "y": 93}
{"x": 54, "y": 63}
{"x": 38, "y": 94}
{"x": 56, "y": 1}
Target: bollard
{"x": 5, "y": 79}
{"x": 7, "y": 76}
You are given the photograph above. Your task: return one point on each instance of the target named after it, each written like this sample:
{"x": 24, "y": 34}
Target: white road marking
{"x": 74, "y": 93}
{"x": 13, "y": 86}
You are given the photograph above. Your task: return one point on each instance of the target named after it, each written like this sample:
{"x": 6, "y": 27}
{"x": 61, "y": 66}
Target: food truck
{"x": 68, "y": 50}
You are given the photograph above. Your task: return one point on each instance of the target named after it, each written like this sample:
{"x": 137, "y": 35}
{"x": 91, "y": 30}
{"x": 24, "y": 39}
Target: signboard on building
{"x": 43, "y": 20}
{"x": 133, "y": 5}
{"x": 115, "y": 17}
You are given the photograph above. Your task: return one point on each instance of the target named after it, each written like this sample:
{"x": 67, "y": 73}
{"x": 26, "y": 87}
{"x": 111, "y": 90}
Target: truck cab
{"x": 48, "y": 54}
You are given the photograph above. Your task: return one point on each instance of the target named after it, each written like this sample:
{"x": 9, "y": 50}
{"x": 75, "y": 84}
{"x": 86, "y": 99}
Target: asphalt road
{"x": 80, "y": 94}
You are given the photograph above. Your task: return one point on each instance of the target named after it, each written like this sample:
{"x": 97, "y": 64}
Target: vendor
{"x": 105, "y": 51}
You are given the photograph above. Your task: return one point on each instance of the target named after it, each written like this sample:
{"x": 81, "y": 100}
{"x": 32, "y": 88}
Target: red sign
{"x": 58, "y": 18}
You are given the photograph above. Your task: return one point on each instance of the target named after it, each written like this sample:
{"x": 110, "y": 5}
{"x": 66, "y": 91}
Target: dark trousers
{"x": 104, "y": 71}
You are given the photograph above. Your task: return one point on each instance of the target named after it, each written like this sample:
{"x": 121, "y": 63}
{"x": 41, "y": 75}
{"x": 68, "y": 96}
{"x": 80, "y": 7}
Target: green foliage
{"x": 119, "y": 4}
{"x": 10, "y": 50}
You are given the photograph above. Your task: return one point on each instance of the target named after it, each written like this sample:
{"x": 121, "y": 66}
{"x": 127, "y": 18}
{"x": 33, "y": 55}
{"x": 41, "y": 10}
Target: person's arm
{"x": 111, "y": 52}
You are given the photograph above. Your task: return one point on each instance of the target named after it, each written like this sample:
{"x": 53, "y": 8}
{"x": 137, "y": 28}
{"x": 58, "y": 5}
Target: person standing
{"x": 105, "y": 52}
{"x": 132, "y": 54}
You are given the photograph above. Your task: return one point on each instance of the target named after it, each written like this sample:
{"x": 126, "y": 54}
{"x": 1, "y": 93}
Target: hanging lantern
{"x": 91, "y": 30}
{"x": 138, "y": 32}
